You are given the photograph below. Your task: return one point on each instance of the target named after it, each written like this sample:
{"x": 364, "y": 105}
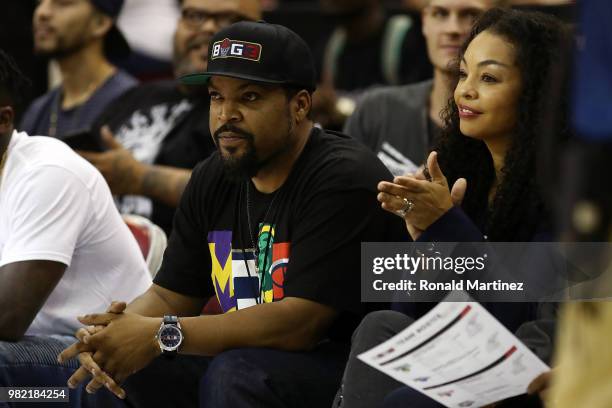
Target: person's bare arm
{"x": 24, "y": 288}
{"x": 126, "y": 175}
{"x": 164, "y": 184}
{"x": 292, "y": 324}
{"x": 158, "y": 301}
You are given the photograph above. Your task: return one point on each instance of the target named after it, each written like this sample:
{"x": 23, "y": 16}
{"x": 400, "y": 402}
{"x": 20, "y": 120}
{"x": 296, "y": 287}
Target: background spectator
{"x": 367, "y": 48}
{"x": 81, "y": 36}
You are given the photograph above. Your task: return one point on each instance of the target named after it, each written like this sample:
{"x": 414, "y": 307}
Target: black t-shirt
{"x": 159, "y": 125}
{"x": 316, "y": 221}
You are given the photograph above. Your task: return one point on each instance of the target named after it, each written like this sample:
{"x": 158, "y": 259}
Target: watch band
{"x": 170, "y": 320}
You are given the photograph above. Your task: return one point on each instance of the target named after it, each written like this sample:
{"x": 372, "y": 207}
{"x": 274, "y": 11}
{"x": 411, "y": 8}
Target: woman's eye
{"x": 462, "y": 74}
{"x": 214, "y": 96}
{"x": 488, "y": 78}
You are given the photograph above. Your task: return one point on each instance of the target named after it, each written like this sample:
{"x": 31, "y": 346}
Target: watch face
{"x": 170, "y": 337}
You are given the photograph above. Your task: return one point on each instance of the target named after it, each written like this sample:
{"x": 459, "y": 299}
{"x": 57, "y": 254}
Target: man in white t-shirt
{"x": 64, "y": 249}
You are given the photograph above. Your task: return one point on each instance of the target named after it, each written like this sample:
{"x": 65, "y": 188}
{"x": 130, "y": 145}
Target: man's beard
{"x": 238, "y": 169}
{"x": 62, "y": 50}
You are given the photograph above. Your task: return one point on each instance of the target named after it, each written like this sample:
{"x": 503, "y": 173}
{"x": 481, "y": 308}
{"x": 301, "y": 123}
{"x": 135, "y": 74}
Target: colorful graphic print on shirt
{"x": 234, "y": 276}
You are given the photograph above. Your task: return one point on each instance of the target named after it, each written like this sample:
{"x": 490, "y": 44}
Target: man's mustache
{"x": 232, "y": 129}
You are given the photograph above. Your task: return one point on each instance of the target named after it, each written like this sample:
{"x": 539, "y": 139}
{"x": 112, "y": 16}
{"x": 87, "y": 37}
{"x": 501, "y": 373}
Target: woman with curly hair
{"x": 489, "y": 138}
{"x": 487, "y": 153}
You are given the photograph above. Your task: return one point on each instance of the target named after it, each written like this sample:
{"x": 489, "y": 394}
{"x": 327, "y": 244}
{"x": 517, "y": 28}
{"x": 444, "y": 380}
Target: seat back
{"x": 151, "y": 239}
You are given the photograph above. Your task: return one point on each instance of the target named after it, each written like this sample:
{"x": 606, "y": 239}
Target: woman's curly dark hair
{"x": 517, "y": 209}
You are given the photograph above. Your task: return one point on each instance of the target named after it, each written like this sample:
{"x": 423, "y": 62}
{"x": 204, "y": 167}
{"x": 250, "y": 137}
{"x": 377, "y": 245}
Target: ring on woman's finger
{"x": 408, "y": 206}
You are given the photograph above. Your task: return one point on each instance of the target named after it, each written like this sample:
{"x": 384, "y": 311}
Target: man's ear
{"x": 7, "y": 115}
{"x": 101, "y": 25}
{"x": 303, "y": 105}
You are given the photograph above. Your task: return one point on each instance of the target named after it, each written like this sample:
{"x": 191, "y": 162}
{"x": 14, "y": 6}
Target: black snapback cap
{"x": 258, "y": 52}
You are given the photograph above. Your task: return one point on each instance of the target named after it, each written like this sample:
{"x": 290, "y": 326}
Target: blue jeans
{"x": 241, "y": 378}
{"x": 32, "y": 362}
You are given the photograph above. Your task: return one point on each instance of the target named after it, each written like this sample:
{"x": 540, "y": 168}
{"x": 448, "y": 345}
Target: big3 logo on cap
{"x": 236, "y": 49}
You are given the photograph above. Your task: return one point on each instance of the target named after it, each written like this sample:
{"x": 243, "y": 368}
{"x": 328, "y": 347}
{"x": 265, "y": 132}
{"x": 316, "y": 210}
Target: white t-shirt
{"x": 55, "y": 206}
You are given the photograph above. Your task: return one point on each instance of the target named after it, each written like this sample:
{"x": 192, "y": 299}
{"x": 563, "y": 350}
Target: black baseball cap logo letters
{"x": 259, "y": 52}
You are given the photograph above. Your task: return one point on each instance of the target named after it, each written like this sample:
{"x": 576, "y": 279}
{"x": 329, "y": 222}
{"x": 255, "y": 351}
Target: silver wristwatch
{"x": 169, "y": 336}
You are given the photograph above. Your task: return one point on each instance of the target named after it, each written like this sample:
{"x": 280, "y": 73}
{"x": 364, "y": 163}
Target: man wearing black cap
{"x": 81, "y": 35}
{"x": 272, "y": 224}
